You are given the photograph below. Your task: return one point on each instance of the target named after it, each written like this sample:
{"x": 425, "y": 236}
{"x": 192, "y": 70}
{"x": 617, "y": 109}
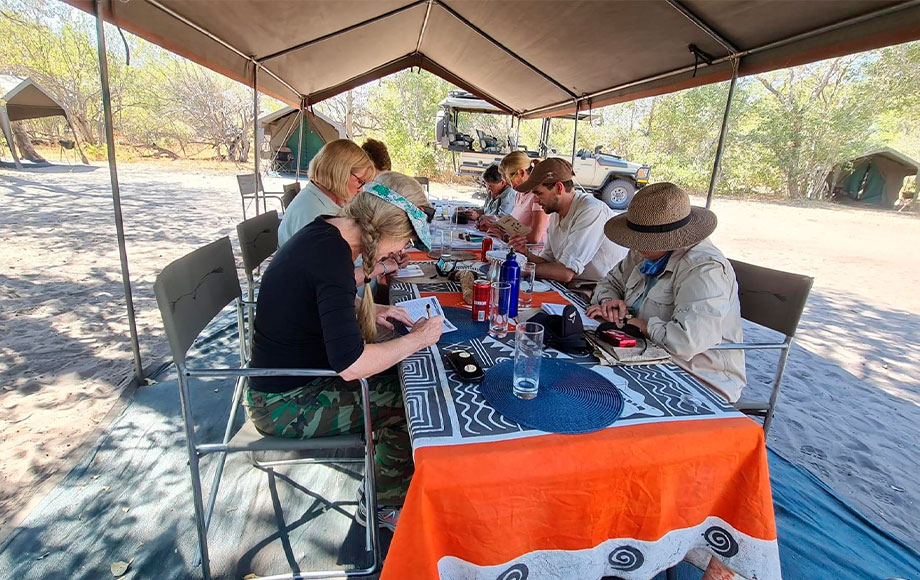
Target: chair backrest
{"x": 192, "y": 290}
{"x": 247, "y": 183}
{"x": 771, "y": 298}
{"x": 290, "y": 192}
{"x": 425, "y": 183}
{"x": 258, "y": 239}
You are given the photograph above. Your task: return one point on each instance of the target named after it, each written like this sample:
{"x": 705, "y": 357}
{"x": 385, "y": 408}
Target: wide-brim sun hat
{"x": 660, "y": 219}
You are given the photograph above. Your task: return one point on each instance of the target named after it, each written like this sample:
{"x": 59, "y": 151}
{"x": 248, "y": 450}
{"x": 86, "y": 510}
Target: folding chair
{"x": 247, "y": 183}
{"x": 258, "y": 240}
{"x": 290, "y": 192}
{"x": 776, "y": 300}
{"x": 190, "y": 292}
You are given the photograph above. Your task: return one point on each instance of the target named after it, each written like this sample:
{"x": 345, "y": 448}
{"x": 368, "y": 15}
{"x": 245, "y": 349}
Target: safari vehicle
{"x": 608, "y": 176}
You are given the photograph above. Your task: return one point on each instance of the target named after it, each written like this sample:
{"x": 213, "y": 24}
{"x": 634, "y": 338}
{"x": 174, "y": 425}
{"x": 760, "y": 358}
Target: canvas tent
{"x": 530, "y": 58}
{"x": 874, "y": 178}
{"x": 282, "y": 129}
{"x": 22, "y": 99}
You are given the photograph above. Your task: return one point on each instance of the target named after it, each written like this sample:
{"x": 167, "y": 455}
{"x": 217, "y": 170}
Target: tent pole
{"x": 8, "y": 134}
{"x": 256, "y": 149}
{"x": 116, "y": 192}
{"x": 575, "y": 132}
{"x": 722, "y": 132}
{"x": 517, "y": 134}
{"x": 299, "y": 142}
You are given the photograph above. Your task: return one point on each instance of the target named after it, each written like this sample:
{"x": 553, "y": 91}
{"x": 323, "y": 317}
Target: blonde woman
{"x": 337, "y": 173}
{"x": 413, "y": 191}
{"x": 307, "y": 317}
{"x": 515, "y": 168}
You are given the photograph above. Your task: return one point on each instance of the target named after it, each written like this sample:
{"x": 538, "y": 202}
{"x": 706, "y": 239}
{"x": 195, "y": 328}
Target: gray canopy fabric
{"x": 530, "y": 58}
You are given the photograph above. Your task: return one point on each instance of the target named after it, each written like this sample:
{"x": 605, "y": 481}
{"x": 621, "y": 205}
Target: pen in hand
{"x": 428, "y": 311}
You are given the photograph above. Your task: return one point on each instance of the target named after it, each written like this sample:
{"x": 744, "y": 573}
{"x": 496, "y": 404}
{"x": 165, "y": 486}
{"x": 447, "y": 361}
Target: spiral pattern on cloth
{"x": 516, "y": 572}
{"x": 721, "y": 542}
{"x": 626, "y": 558}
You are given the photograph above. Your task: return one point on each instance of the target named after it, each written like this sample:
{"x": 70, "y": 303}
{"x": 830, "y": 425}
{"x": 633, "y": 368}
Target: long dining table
{"x": 681, "y": 474}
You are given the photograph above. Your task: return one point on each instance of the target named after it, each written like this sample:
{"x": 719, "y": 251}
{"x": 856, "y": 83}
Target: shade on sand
{"x": 532, "y": 58}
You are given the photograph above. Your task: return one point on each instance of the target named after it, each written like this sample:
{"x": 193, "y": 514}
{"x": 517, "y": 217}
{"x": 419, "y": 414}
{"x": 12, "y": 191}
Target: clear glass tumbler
{"x": 447, "y": 243}
{"x": 528, "y": 277}
{"x": 499, "y": 308}
{"x": 528, "y": 352}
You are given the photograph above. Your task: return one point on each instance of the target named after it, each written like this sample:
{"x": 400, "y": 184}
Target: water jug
{"x": 511, "y": 273}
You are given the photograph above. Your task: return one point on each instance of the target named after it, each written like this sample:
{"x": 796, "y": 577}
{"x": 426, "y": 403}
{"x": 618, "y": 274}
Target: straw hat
{"x": 659, "y": 219}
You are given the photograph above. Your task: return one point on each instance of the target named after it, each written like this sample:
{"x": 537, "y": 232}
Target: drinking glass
{"x": 528, "y": 352}
{"x": 528, "y": 277}
{"x": 499, "y": 308}
{"x": 447, "y": 243}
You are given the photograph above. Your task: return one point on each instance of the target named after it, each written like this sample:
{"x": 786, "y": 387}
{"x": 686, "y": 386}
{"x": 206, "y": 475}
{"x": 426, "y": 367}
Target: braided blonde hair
{"x": 379, "y": 220}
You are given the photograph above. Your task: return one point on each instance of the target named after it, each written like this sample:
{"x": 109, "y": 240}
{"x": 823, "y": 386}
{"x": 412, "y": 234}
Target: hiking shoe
{"x": 387, "y": 517}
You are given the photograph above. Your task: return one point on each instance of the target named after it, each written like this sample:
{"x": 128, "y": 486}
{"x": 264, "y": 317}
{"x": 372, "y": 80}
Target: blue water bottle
{"x": 511, "y": 273}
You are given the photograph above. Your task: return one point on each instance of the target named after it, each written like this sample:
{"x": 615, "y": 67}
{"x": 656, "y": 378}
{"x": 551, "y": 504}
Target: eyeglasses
{"x": 361, "y": 182}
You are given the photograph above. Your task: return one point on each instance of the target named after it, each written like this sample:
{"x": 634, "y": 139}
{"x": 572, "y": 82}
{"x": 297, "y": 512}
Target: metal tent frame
{"x": 871, "y": 25}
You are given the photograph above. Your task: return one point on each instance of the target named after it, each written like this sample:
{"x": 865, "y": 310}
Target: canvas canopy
{"x": 876, "y": 177}
{"x": 283, "y": 129}
{"x": 534, "y": 59}
{"x": 22, "y": 99}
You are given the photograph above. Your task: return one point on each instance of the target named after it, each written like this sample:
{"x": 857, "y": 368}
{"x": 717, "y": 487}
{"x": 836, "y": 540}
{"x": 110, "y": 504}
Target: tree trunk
{"x": 24, "y": 143}
{"x": 349, "y": 115}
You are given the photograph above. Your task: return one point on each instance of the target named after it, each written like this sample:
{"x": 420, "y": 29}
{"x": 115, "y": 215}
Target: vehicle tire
{"x": 618, "y": 193}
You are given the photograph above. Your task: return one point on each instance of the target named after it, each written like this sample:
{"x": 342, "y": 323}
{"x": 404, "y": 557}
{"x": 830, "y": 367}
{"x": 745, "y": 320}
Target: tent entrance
{"x": 865, "y": 184}
{"x": 309, "y": 146}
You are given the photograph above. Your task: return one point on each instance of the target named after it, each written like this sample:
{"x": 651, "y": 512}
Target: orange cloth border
{"x": 488, "y": 503}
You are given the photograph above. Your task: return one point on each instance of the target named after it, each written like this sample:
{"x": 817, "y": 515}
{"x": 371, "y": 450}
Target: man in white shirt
{"x": 576, "y": 248}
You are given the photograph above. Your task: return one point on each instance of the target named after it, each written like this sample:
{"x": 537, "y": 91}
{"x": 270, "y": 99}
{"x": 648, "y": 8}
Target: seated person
{"x": 307, "y": 317}
{"x": 379, "y": 155}
{"x": 515, "y": 169}
{"x": 576, "y": 248}
{"x": 501, "y": 196}
{"x": 677, "y": 286}
{"x": 337, "y": 173}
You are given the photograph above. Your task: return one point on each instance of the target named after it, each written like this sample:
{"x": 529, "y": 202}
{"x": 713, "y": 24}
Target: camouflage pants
{"x": 331, "y": 406}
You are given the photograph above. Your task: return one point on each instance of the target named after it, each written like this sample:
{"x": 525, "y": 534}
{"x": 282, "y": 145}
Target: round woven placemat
{"x": 572, "y": 398}
{"x": 467, "y": 328}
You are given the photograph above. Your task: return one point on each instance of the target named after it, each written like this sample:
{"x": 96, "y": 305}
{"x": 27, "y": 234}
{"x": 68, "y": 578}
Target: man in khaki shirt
{"x": 675, "y": 286}
{"x": 576, "y": 247}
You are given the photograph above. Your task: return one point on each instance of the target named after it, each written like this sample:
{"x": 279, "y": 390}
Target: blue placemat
{"x": 467, "y": 329}
{"x": 572, "y": 398}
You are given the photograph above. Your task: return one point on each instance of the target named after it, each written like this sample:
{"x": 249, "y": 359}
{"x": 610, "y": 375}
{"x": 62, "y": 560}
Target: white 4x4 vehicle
{"x": 608, "y": 176}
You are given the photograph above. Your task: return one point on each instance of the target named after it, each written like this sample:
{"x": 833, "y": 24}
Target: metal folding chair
{"x": 258, "y": 240}
{"x": 190, "y": 292}
{"x": 425, "y": 183}
{"x": 248, "y": 186}
{"x": 776, "y": 300}
{"x": 290, "y": 192}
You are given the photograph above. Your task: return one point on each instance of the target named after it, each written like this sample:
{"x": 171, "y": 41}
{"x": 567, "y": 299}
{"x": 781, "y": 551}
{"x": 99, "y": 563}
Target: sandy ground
{"x": 849, "y": 410}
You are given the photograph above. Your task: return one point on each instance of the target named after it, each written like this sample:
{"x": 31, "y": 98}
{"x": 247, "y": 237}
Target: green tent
{"x": 875, "y": 178}
{"x": 282, "y": 129}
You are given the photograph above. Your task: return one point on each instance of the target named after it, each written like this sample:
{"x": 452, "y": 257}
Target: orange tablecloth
{"x": 679, "y": 471}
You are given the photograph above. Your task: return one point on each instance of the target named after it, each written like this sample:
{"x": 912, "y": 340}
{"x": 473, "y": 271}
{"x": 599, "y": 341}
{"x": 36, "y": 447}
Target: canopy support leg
{"x": 722, "y": 132}
{"x": 575, "y": 132}
{"x": 517, "y": 134}
{"x": 8, "y": 134}
{"x": 299, "y": 141}
{"x": 256, "y": 146}
{"x": 116, "y": 192}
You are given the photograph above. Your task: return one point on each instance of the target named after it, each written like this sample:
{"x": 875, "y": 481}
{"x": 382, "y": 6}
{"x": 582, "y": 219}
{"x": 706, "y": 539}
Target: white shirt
{"x": 309, "y": 204}
{"x": 577, "y": 241}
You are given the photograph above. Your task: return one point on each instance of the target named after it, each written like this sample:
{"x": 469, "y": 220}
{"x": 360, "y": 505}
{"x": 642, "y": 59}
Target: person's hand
{"x": 401, "y": 259}
{"x": 384, "y": 314}
{"x": 427, "y": 331}
{"x": 610, "y": 310}
{"x": 485, "y": 222}
{"x": 473, "y": 214}
{"x": 519, "y": 243}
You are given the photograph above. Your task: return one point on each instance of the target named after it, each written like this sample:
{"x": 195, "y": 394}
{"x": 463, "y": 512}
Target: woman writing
{"x": 307, "y": 317}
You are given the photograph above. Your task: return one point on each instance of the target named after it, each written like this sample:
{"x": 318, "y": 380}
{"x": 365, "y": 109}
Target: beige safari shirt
{"x": 578, "y": 242}
{"x": 691, "y": 308}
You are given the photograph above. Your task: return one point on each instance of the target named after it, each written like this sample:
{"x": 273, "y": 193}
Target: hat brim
{"x": 701, "y": 225}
